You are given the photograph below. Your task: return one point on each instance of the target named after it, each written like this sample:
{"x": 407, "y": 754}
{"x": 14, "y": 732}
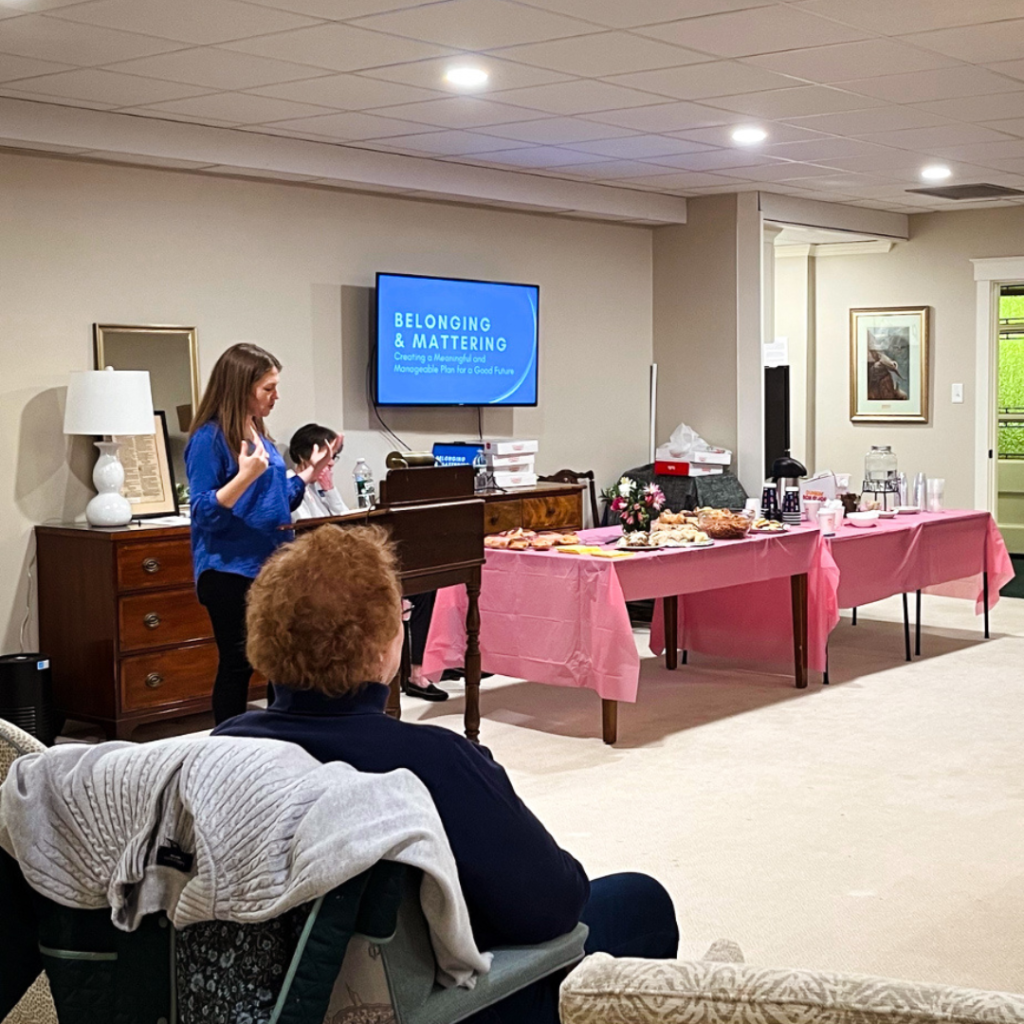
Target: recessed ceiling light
{"x": 936, "y": 172}
{"x": 466, "y": 77}
{"x": 749, "y": 136}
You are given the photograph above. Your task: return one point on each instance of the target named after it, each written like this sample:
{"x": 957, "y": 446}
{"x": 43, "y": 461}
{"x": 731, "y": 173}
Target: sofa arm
{"x": 605, "y": 990}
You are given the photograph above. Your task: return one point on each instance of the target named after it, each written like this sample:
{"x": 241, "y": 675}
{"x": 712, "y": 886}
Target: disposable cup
{"x": 827, "y": 521}
{"x": 936, "y": 488}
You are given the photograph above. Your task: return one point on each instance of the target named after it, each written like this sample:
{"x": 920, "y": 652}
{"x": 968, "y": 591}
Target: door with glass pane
{"x": 1010, "y": 466}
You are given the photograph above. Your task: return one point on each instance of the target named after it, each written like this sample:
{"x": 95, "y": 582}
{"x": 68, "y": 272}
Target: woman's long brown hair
{"x": 227, "y": 394}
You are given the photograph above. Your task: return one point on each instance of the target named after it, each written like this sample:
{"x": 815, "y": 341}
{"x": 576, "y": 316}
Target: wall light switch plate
{"x": 958, "y": 394}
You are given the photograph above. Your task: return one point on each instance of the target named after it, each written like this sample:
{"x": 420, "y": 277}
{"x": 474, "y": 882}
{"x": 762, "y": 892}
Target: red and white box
{"x": 685, "y": 469}
{"x": 509, "y": 446}
{"x": 703, "y": 457}
{"x": 511, "y": 463}
{"x": 511, "y": 481}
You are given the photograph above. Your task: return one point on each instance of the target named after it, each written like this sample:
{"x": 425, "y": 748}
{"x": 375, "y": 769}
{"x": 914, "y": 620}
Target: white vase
{"x": 110, "y": 507}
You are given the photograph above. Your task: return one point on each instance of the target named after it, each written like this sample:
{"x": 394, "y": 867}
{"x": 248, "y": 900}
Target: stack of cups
{"x": 791, "y": 506}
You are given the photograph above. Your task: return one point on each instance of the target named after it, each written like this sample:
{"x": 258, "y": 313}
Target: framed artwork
{"x": 889, "y": 364}
{"x": 148, "y": 472}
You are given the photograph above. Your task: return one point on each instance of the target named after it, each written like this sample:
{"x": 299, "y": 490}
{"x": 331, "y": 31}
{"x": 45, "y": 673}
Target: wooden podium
{"x": 437, "y": 525}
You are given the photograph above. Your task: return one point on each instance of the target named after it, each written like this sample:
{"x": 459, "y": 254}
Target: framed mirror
{"x": 170, "y": 355}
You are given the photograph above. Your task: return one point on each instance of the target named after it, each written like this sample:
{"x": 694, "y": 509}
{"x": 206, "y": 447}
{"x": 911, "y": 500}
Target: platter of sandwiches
{"x": 529, "y": 540}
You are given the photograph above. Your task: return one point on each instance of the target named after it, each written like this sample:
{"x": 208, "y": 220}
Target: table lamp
{"x": 105, "y": 402}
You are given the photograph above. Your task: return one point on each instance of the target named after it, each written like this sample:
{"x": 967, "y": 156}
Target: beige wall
{"x": 695, "y": 321}
{"x": 933, "y": 269}
{"x": 794, "y": 320}
{"x": 289, "y": 267}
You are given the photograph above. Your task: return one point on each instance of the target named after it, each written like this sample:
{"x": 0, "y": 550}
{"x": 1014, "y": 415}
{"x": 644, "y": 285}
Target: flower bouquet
{"x": 637, "y": 504}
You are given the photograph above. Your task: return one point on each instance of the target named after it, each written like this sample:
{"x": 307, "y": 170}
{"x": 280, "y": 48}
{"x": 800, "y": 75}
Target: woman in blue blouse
{"x": 241, "y": 496}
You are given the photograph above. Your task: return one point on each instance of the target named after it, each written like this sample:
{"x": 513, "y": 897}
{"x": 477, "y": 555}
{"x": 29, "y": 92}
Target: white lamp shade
{"x": 109, "y": 402}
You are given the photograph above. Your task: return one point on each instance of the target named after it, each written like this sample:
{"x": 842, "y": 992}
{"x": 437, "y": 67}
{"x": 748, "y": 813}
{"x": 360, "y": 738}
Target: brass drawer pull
{"x": 154, "y": 680}
{"x": 150, "y": 565}
{"x": 152, "y": 620}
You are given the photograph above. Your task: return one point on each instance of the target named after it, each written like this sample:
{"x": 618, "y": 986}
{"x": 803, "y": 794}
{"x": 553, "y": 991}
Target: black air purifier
{"x": 26, "y": 694}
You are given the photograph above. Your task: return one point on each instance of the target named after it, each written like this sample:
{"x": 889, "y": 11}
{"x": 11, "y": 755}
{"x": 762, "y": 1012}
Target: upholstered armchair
{"x": 722, "y": 989}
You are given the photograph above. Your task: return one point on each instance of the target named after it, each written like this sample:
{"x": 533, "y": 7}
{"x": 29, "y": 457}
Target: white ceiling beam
{"x": 812, "y": 213}
{"x": 26, "y": 123}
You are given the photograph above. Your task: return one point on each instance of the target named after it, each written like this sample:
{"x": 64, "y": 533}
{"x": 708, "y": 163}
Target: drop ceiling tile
{"x": 45, "y": 38}
{"x": 504, "y": 74}
{"x": 339, "y": 47}
{"x": 145, "y": 161}
{"x": 21, "y": 91}
{"x": 923, "y": 86}
{"x": 1014, "y": 165}
{"x": 611, "y": 170}
{"x": 974, "y": 109}
{"x": 460, "y": 112}
{"x": 607, "y": 53}
{"x": 722, "y": 134}
{"x": 550, "y": 157}
{"x": 631, "y": 13}
{"x": 641, "y": 147}
{"x": 678, "y": 180}
{"x": 778, "y": 171}
{"x": 215, "y": 68}
{"x": 353, "y": 126}
{"x": 581, "y": 96}
{"x": 1011, "y": 126}
{"x": 558, "y": 131}
{"x": 169, "y": 115}
{"x": 802, "y": 101}
{"x": 108, "y": 87}
{"x": 476, "y": 24}
{"x": 976, "y": 44}
{"x": 1013, "y": 68}
{"x": 188, "y": 21}
{"x": 699, "y": 81}
{"x": 847, "y": 183}
{"x": 896, "y": 19}
{"x": 505, "y": 153}
{"x": 252, "y": 172}
{"x": 13, "y": 68}
{"x": 717, "y": 159}
{"x": 824, "y": 150}
{"x": 347, "y": 92}
{"x": 760, "y": 30}
{"x": 876, "y": 119}
{"x": 985, "y": 153}
{"x": 924, "y": 140}
{"x": 668, "y": 117}
{"x": 863, "y": 59}
{"x": 454, "y": 143}
{"x": 340, "y": 10}
{"x": 239, "y": 108}
{"x": 893, "y": 163}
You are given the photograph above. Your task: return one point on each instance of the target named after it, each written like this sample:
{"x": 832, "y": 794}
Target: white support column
{"x": 750, "y": 320}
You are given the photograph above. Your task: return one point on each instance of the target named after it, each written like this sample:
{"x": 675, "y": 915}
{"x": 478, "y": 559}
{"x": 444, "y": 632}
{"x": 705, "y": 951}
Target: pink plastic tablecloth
{"x": 561, "y": 619}
{"x": 941, "y": 552}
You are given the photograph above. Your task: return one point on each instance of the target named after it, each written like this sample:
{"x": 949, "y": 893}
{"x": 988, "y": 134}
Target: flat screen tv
{"x": 449, "y": 341}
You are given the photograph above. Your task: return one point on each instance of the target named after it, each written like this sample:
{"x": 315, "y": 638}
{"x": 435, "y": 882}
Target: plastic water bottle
{"x": 366, "y": 495}
{"x": 480, "y": 481}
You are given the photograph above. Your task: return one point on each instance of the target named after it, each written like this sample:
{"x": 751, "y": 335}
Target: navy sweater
{"x": 242, "y": 538}
{"x": 520, "y": 886}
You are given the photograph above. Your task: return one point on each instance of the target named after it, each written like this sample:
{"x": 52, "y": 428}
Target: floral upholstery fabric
{"x": 605, "y": 990}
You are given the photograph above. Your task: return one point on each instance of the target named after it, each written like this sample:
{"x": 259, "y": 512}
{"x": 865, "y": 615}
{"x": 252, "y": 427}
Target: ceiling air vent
{"x": 982, "y": 190}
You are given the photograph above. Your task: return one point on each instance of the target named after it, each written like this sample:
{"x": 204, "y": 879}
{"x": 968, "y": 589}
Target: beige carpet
{"x": 873, "y": 825}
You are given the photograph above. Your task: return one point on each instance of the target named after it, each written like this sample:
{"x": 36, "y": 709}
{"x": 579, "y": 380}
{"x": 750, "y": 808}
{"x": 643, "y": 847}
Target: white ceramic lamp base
{"x": 110, "y": 507}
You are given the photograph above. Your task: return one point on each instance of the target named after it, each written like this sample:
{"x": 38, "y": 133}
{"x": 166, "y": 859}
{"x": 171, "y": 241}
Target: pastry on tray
{"x": 721, "y": 524}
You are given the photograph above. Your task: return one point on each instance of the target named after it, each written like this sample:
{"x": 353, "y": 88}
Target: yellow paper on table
{"x": 578, "y": 549}
{"x": 614, "y": 554}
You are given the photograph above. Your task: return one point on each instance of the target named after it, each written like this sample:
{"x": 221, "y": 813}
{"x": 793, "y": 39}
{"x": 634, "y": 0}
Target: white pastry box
{"x": 511, "y": 463}
{"x": 509, "y": 446}
{"x": 510, "y": 481}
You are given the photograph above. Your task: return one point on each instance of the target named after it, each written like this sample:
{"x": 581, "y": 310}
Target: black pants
{"x": 418, "y": 625}
{"x": 223, "y": 595}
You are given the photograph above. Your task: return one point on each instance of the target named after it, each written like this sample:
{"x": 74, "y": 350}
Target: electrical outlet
{"x": 958, "y": 394}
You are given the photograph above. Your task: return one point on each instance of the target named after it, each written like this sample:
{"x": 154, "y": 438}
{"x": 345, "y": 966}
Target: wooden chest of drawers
{"x": 128, "y": 640}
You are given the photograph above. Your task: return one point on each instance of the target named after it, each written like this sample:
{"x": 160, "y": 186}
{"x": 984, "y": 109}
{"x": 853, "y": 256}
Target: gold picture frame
{"x": 148, "y": 472}
{"x": 889, "y": 364}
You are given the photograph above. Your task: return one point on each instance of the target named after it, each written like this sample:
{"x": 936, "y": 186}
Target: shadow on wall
{"x": 357, "y": 385}
{"x": 53, "y": 478}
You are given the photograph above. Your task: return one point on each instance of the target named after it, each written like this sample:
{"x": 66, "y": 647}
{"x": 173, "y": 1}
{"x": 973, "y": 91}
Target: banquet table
{"x": 561, "y": 619}
{"x": 952, "y": 553}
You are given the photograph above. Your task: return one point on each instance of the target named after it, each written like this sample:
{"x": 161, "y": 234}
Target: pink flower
{"x": 617, "y": 504}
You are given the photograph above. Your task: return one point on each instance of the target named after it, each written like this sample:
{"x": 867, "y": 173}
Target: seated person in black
{"x": 322, "y": 499}
{"x": 324, "y": 624}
